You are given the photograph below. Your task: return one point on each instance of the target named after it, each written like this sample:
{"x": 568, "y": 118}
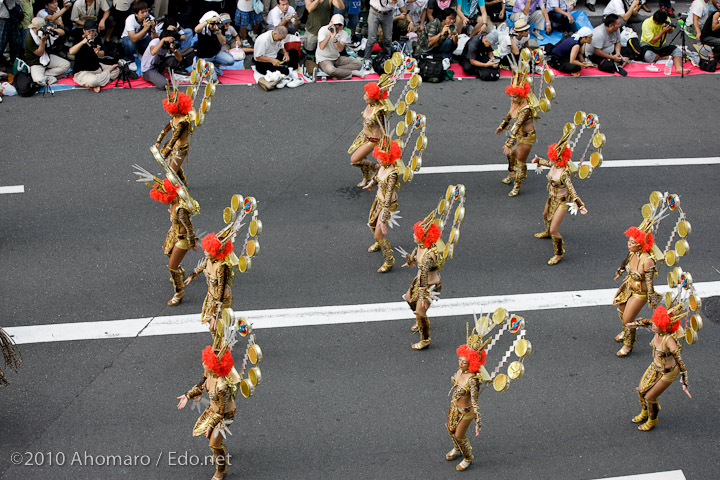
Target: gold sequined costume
{"x": 635, "y": 285}
{"x": 176, "y": 148}
{"x": 219, "y": 277}
{"x": 375, "y": 119}
{"x": 556, "y": 201}
{"x": 456, "y": 413}
{"x": 428, "y": 261}
{"x": 10, "y": 354}
{"x": 381, "y": 211}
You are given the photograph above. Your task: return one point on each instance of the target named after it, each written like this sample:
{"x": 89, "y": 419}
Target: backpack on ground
{"x": 431, "y": 69}
{"x": 25, "y": 86}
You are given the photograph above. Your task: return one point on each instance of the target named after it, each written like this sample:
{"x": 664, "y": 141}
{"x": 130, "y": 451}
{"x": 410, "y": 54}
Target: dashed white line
{"x": 671, "y": 475}
{"x": 13, "y": 189}
{"x": 324, "y": 315}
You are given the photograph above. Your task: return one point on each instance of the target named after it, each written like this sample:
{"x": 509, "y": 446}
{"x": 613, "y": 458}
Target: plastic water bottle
{"x": 668, "y": 66}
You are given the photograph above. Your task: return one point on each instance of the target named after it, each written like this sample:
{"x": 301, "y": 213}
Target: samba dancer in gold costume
{"x": 175, "y": 150}
{"x": 220, "y": 381}
{"x": 666, "y": 364}
{"x": 386, "y": 200}
{"x": 219, "y": 275}
{"x": 637, "y": 288}
{"x": 373, "y": 117}
{"x": 465, "y": 404}
{"x": 430, "y": 254}
{"x": 524, "y": 109}
{"x": 11, "y": 355}
{"x": 562, "y": 196}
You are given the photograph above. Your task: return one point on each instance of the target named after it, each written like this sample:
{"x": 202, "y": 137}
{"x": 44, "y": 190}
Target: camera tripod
{"x": 123, "y": 77}
{"x": 682, "y": 33}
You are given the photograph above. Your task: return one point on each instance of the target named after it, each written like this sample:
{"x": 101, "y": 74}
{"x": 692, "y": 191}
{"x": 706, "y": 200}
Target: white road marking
{"x": 326, "y": 315}
{"x": 672, "y": 475}
{"x": 13, "y": 189}
{"x": 648, "y": 162}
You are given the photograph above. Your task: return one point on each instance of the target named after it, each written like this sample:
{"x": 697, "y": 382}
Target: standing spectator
{"x": 710, "y": 34}
{"x": 118, "y": 14}
{"x": 319, "y": 13}
{"x": 83, "y": 10}
{"x": 160, "y": 8}
{"x": 380, "y": 15}
{"x": 88, "y": 71}
{"x": 331, "y": 41}
{"x": 652, "y": 42}
{"x": 618, "y": 8}
{"x": 478, "y": 59}
{"x": 439, "y": 37}
{"x": 352, "y": 12}
{"x": 163, "y": 54}
{"x": 27, "y": 7}
{"x": 560, "y": 16}
{"x": 283, "y": 14}
{"x": 247, "y": 19}
{"x": 44, "y": 67}
{"x": 472, "y": 16}
{"x": 210, "y": 40}
{"x": 568, "y": 55}
{"x": 604, "y": 49}
{"x": 533, "y": 12}
{"x": 136, "y": 34}
{"x": 10, "y": 31}
{"x": 496, "y": 12}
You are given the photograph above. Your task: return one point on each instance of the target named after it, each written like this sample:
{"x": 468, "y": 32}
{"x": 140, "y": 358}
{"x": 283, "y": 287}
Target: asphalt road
{"x": 83, "y": 243}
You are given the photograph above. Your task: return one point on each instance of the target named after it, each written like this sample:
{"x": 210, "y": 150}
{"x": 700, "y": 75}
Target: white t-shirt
{"x": 122, "y": 5}
{"x": 614, "y": 6}
{"x": 330, "y": 52}
{"x": 131, "y": 23}
{"x": 245, "y": 5}
{"x": 700, "y": 9}
{"x": 275, "y": 16}
{"x": 266, "y": 47}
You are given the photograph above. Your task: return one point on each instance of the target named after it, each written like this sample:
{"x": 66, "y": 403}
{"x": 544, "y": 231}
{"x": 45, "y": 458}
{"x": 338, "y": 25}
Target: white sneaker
{"x": 368, "y": 65}
{"x": 359, "y": 73}
{"x": 132, "y": 66}
{"x": 295, "y": 83}
{"x": 284, "y": 82}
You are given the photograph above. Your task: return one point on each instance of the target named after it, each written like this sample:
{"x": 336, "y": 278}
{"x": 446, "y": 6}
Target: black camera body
{"x": 331, "y": 28}
{"x": 670, "y": 24}
{"x": 46, "y": 30}
{"x": 92, "y": 43}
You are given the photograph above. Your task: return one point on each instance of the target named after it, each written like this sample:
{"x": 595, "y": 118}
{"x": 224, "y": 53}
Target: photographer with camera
{"x": 652, "y": 42}
{"x": 331, "y": 41}
{"x": 163, "y": 54}
{"x": 439, "y": 37}
{"x": 211, "y": 38}
{"x": 44, "y": 67}
{"x": 54, "y": 15}
{"x": 88, "y": 70}
{"x": 83, "y": 10}
{"x": 284, "y": 15}
{"x": 137, "y": 32}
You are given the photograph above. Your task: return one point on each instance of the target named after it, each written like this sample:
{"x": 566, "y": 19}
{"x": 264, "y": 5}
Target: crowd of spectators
{"x": 99, "y": 39}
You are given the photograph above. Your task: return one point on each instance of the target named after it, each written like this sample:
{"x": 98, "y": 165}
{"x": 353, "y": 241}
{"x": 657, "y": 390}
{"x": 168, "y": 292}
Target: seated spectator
{"x": 560, "y": 16}
{"x": 710, "y": 34}
{"x": 568, "y": 56}
{"x": 352, "y": 12}
{"x": 517, "y": 37}
{"x": 496, "y": 12}
{"x": 471, "y": 17}
{"x": 319, "y": 13}
{"x": 271, "y": 56}
{"x": 416, "y": 10}
{"x": 88, "y": 71}
{"x": 533, "y": 12}
{"x": 283, "y": 14}
{"x": 402, "y": 24}
{"x": 186, "y": 34}
{"x": 83, "y": 10}
{"x": 478, "y": 59}
{"x": 54, "y": 16}
{"x": 604, "y": 48}
{"x": 137, "y": 32}
{"x": 439, "y": 37}
{"x": 618, "y": 8}
{"x": 45, "y": 68}
{"x": 211, "y": 38}
{"x": 652, "y": 42}
{"x": 232, "y": 37}
{"x": 331, "y": 41}
{"x": 696, "y": 17}
{"x": 164, "y": 54}
{"x": 246, "y": 19}
{"x": 435, "y": 7}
